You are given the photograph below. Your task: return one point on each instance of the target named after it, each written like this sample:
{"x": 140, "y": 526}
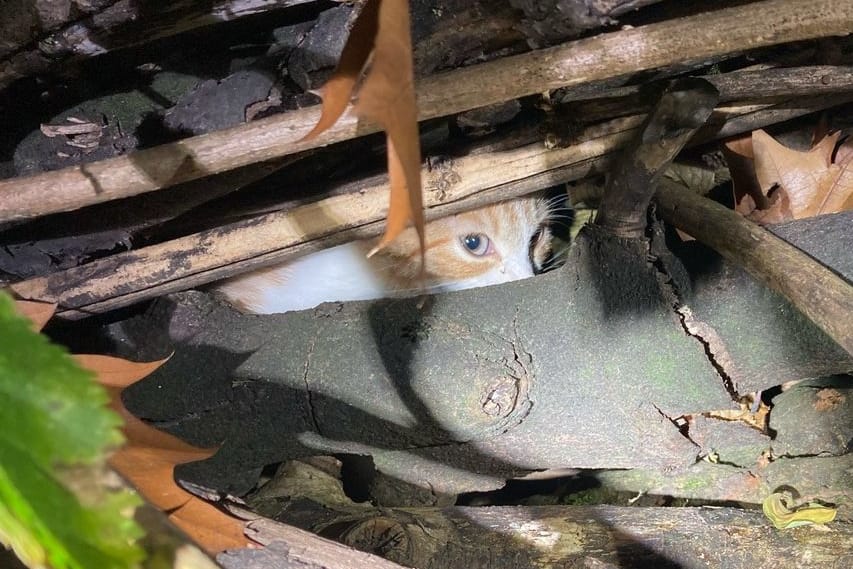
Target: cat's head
{"x": 494, "y": 244}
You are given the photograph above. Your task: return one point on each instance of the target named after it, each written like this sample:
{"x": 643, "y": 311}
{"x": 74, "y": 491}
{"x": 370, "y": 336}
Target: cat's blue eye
{"x": 476, "y": 244}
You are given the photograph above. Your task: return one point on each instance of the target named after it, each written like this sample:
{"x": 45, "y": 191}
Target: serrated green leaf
{"x": 55, "y": 426}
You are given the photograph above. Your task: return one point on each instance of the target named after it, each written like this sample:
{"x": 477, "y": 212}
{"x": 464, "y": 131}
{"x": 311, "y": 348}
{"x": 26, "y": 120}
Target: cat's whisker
{"x": 555, "y": 259}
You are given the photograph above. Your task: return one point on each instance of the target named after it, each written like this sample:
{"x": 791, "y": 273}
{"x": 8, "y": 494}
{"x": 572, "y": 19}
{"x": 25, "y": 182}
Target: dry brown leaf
{"x": 813, "y": 183}
{"x": 844, "y": 152}
{"x": 756, "y": 419}
{"x": 148, "y": 462}
{"x": 338, "y": 90}
{"x": 149, "y": 456}
{"x": 747, "y": 193}
{"x": 36, "y": 312}
{"x": 386, "y": 97}
{"x": 778, "y": 208}
{"x": 117, "y": 372}
{"x": 214, "y": 530}
{"x": 740, "y": 145}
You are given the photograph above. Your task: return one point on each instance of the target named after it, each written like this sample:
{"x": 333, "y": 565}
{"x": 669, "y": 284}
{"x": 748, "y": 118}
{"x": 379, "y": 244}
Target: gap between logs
{"x": 201, "y": 258}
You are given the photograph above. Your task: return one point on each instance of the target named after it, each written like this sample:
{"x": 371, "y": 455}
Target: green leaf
{"x": 59, "y": 504}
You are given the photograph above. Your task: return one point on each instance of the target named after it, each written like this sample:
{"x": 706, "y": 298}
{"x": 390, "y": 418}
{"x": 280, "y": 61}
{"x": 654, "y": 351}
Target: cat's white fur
{"x": 343, "y": 273}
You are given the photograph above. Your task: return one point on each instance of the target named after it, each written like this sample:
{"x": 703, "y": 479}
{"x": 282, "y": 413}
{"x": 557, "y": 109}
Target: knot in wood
{"x": 501, "y": 397}
{"x": 441, "y": 177}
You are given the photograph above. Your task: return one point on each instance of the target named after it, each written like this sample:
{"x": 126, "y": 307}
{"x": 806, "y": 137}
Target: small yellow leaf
{"x": 778, "y": 510}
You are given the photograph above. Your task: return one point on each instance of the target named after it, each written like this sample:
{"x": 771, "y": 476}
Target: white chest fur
{"x": 339, "y": 273}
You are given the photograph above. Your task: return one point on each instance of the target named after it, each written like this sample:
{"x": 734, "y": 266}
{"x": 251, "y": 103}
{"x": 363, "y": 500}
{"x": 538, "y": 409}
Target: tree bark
{"x": 822, "y": 295}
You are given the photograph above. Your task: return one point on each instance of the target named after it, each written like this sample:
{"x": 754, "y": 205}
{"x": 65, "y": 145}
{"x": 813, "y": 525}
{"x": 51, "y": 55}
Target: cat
{"x": 498, "y": 243}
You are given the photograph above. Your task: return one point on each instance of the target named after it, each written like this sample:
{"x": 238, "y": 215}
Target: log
{"x": 461, "y": 391}
{"x": 310, "y": 496}
{"x": 601, "y": 537}
{"x": 354, "y": 211}
{"x": 287, "y": 547}
{"x": 604, "y": 56}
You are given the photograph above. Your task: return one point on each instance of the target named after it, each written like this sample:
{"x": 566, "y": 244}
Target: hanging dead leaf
{"x": 813, "y": 183}
{"x": 36, "y": 312}
{"x": 338, "y": 90}
{"x": 386, "y": 97}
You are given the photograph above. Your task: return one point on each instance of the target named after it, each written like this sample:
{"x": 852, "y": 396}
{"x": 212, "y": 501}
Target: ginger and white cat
{"x": 494, "y": 244}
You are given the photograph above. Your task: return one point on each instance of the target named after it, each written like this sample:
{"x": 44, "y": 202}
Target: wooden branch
{"x": 600, "y": 57}
{"x": 681, "y": 111}
{"x": 818, "y": 292}
{"x": 470, "y": 181}
{"x": 745, "y": 84}
{"x": 122, "y": 24}
{"x": 563, "y": 536}
{"x": 782, "y": 82}
{"x": 67, "y": 240}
